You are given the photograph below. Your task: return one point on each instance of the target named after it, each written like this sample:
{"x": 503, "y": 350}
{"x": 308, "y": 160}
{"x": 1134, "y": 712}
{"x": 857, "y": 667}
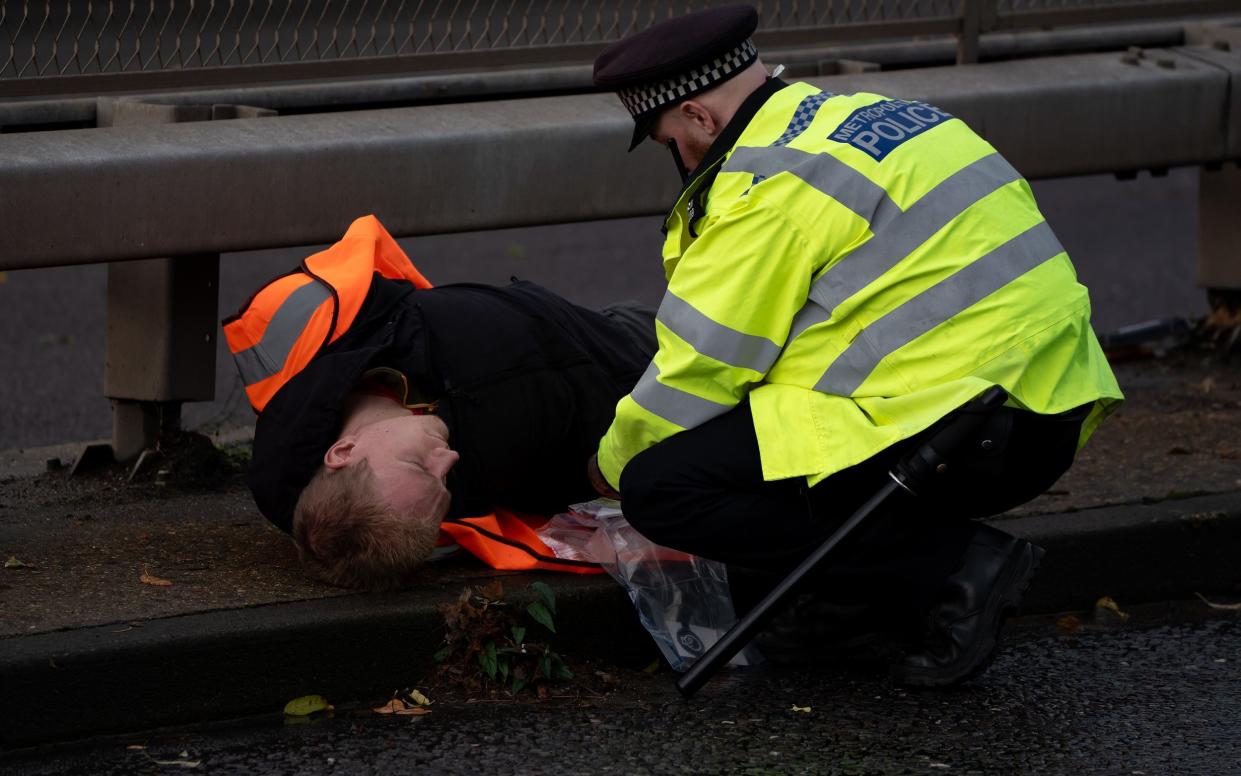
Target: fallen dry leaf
{"x": 3, "y": 277}
{"x": 1207, "y": 385}
{"x": 493, "y": 591}
{"x": 136, "y": 746}
{"x": 1108, "y": 607}
{"x": 306, "y": 705}
{"x": 14, "y": 563}
{"x": 420, "y": 699}
{"x": 147, "y": 579}
{"x": 801, "y": 709}
{"x": 1069, "y": 623}
{"x": 391, "y": 707}
{"x": 1213, "y": 605}
{"x": 401, "y": 708}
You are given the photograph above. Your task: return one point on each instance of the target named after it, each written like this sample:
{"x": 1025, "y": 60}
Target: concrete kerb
{"x": 193, "y": 668}
{"x": 177, "y": 670}
{"x": 1134, "y": 552}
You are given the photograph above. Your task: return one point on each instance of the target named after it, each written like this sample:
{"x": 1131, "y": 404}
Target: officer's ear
{"x": 697, "y": 114}
{"x": 340, "y": 453}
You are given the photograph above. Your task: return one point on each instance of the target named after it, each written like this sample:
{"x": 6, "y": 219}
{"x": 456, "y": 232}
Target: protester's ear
{"x": 339, "y": 454}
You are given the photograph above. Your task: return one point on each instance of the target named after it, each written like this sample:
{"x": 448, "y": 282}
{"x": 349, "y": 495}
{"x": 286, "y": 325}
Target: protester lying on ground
{"x": 386, "y": 405}
{"x": 843, "y": 271}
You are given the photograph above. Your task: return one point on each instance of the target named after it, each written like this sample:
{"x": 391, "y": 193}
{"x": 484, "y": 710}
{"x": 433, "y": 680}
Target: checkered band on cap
{"x": 648, "y": 97}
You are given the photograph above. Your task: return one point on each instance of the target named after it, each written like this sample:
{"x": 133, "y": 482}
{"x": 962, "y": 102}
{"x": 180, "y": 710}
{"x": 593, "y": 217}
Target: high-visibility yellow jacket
{"x": 857, "y": 266}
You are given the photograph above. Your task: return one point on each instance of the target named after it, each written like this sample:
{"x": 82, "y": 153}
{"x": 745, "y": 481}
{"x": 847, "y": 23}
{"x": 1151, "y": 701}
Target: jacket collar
{"x": 732, "y": 131}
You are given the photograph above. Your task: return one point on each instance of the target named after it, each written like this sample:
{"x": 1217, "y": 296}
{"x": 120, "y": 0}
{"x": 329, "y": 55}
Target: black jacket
{"x": 527, "y": 384}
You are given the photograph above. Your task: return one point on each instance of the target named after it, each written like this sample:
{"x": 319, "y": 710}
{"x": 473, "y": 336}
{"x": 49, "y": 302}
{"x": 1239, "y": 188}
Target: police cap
{"x": 671, "y": 62}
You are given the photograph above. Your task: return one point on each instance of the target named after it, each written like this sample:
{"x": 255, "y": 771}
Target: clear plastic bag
{"x": 682, "y": 600}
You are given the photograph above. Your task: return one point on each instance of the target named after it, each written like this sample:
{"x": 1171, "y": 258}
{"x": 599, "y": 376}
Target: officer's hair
{"x": 346, "y": 536}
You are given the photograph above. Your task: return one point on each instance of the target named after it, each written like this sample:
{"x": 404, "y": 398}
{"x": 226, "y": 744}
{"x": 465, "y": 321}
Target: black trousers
{"x": 702, "y": 491}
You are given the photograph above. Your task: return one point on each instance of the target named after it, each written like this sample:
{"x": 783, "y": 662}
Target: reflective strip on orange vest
{"x": 268, "y": 356}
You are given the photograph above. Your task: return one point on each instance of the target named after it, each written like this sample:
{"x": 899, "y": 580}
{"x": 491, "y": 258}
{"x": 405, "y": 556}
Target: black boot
{"x": 965, "y": 622}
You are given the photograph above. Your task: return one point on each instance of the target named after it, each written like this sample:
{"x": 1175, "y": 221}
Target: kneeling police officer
{"x": 843, "y": 271}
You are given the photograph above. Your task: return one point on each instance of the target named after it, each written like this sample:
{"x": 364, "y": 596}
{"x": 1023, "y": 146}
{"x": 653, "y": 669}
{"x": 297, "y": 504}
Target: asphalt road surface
{"x": 1133, "y": 243}
{"x": 1153, "y": 700}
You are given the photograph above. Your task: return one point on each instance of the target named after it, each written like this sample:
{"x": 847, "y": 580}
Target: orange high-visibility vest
{"x": 509, "y": 541}
{"x": 292, "y": 318}
{"x": 280, "y": 330}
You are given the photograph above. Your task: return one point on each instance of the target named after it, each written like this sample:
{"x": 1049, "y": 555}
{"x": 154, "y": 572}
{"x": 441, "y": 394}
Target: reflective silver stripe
{"x": 715, "y": 340}
{"x": 825, "y": 173}
{"x": 937, "y": 304}
{"x": 675, "y": 406}
{"x": 902, "y": 236}
{"x": 267, "y": 357}
{"x": 250, "y": 365}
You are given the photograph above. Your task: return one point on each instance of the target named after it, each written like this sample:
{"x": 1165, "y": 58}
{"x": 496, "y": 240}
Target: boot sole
{"x": 1005, "y": 599}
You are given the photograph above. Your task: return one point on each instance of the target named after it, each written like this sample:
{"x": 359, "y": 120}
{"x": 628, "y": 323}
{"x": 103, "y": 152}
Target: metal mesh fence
{"x": 1008, "y": 6}
{"x": 78, "y": 37}
{"x": 81, "y": 37}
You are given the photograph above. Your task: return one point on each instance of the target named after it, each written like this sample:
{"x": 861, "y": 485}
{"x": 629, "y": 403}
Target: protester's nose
{"x": 443, "y": 460}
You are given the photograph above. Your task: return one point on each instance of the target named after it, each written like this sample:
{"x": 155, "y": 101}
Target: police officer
{"x": 843, "y": 271}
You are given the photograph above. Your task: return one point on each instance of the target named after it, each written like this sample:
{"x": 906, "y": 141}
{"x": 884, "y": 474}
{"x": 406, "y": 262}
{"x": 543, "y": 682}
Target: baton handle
{"x": 918, "y": 469}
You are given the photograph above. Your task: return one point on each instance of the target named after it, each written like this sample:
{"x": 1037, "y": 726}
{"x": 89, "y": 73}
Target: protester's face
{"x": 409, "y": 457}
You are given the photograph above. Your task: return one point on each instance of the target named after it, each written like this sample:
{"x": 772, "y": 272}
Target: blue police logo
{"x": 879, "y": 128}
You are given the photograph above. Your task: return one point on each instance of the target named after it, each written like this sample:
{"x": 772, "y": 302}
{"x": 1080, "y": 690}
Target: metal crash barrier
{"x": 151, "y": 190}
{"x": 160, "y": 181}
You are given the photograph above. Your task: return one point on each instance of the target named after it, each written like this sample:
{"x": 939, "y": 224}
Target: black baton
{"x": 912, "y": 473}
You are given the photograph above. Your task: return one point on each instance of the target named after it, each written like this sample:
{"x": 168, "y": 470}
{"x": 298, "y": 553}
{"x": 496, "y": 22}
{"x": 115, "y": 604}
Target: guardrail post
{"x": 1219, "y": 229}
{"x": 162, "y": 314}
{"x": 971, "y": 27}
{"x": 160, "y": 345}
{"x": 1219, "y": 187}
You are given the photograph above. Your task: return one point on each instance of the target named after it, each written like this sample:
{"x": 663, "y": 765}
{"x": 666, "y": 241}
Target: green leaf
{"x": 519, "y": 634}
{"x": 487, "y": 659}
{"x": 563, "y": 672}
{"x": 442, "y": 654}
{"x": 518, "y": 683}
{"x": 503, "y": 665}
{"x": 540, "y": 614}
{"x": 545, "y": 593}
{"x": 545, "y": 665}
{"x": 306, "y": 705}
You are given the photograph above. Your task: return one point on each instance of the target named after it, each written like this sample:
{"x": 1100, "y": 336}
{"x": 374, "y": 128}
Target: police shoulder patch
{"x": 879, "y": 128}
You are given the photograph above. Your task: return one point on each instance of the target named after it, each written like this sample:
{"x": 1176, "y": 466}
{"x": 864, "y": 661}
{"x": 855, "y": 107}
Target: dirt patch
{"x": 1178, "y": 434}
